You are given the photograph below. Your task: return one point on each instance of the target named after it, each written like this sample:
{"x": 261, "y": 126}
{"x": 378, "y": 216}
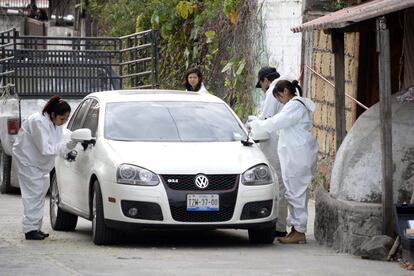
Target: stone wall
{"x": 345, "y": 225}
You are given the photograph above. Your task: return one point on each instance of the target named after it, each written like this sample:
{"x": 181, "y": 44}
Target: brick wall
{"x": 322, "y": 61}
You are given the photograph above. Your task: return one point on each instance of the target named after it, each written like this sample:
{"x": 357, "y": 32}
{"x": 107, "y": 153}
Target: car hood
{"x": 188, "y": 157}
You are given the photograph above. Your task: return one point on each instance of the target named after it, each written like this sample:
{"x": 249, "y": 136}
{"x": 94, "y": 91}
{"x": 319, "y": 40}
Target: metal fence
{"x": 6, "y": 72}
{"x": 39, "y": 66}
{"x": 23, "y": 4}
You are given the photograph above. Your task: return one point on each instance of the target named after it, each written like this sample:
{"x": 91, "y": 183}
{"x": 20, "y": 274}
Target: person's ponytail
{"x": 57, "y": 106}
{"x": 296, "y": 85}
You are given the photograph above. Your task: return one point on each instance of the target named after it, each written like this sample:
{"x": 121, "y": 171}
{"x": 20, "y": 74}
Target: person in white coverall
{"x": 34, "y": 151}
{"x": 267, "y": 78}
{"x": 298, "y": 151}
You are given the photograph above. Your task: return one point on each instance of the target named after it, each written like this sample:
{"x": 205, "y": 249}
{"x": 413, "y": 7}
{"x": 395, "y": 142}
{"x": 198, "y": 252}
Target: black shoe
{"x": 44, "y": 234}
{"x": 34, "y": 235}
{"x": 280, "y": 234}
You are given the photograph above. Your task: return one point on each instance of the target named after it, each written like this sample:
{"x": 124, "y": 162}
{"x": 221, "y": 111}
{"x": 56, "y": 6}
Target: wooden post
{"x": 384, "y": 66}
{"x": 340, "y": 122}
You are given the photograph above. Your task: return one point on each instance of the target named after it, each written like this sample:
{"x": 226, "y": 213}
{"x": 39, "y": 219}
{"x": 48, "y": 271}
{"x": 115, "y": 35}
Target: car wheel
{"x": 101, "y": 233}
{"x": 5, "y": 172}
{"x": 262, "y": 236}
{"x": 60, "y": 220}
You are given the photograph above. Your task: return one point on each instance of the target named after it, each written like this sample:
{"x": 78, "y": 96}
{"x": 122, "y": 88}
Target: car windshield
{"x": 171, "y": 121}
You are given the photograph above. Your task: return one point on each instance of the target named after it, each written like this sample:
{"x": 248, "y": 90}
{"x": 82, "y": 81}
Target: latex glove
{"x": 249, "y": 126}
{"x": 251, "y": 118}
{"x": 71, "y": 156}
{"x": 71, "y": 145}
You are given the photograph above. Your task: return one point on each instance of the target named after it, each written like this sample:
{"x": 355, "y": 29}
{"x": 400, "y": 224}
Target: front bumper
{"x": 161, "y": 207}
{"x": 121, "y": 225}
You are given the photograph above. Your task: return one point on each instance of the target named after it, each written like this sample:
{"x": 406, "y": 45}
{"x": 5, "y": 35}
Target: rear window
{"x": 171, "y": 121}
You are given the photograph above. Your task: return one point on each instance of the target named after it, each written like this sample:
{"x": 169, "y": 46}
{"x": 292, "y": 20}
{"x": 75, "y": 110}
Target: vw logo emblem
{"x": 201, "y": 181}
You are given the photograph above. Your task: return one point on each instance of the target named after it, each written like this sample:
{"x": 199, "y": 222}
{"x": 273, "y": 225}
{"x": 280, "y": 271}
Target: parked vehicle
{"x": 34, "y": 68}
{"x": 157, "y": 158}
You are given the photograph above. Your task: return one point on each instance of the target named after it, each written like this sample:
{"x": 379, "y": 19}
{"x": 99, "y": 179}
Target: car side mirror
{"x": 80, "y": 135}
{"x": 259, "y": 136}
{"x": 83, "y": 136}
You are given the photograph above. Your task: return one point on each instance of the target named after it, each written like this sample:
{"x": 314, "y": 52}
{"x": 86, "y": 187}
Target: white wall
{"x": 282, "y": 46}
{"x": 11, "y": 21}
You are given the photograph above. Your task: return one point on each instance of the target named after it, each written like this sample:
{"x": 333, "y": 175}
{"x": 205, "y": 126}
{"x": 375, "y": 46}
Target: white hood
{"x": 310, "y": 105}
{"x": 188, "y": 157}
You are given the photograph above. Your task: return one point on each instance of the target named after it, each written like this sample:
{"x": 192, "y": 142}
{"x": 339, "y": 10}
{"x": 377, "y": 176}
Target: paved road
{"x": 226, "y": 252}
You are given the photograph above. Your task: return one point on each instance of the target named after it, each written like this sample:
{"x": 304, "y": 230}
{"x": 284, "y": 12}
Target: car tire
{"x": 5, "y": 172}
{"x": 101, "y": 233}
{"x": 60, "y": 220}
{"x": 262, "y": 235}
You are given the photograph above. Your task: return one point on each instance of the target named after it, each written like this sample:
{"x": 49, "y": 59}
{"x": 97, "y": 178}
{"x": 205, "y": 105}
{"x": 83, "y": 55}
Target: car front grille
{"x": 177, "y": 199}
{"x": 186, "y": 182}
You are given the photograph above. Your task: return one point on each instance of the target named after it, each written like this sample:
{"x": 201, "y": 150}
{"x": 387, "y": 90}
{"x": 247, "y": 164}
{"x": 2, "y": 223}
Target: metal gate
{"x": 6, "y": 59}
{"x": 72, "y": 67}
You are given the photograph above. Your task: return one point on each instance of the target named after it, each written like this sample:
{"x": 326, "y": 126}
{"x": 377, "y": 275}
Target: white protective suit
{"x": 202, "y": 89}
{"x": 271, "y": 107}
{"x": 34, "y": 152}
{"x": 298, "y": 151}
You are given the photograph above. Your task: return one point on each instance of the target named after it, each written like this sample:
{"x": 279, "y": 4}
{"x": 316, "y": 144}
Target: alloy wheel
{"x": 1, "y": 165}
{"x": 94, "y": 214}
{"x": 54, "y": 200}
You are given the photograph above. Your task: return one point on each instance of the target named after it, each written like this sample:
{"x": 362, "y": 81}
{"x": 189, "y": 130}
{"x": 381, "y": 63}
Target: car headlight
{"x": 258, "y": 175}
{"x": 134, "y": 175}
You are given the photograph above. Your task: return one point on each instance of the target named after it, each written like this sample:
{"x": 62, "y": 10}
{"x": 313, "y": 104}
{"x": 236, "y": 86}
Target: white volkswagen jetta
{"x": 155, "y": 158}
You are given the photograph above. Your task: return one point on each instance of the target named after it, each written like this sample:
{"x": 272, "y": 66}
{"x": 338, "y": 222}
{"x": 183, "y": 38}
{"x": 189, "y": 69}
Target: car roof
{"x": 146, "y": 95}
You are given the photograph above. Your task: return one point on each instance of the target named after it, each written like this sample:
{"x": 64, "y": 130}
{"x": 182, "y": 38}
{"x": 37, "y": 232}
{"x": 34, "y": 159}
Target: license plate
{"x": 202, "y": 202}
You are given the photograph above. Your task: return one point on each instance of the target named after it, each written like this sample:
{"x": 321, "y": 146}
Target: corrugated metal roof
{"x": 348, "y": 16}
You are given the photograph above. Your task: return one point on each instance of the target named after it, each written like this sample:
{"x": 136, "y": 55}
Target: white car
{"x": 163, "y": 159}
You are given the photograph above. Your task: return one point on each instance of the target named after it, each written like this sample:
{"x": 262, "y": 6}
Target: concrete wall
{"x": 345, "y": 225}
{"x": 357, "y": 173}
{"x": 12, "y": 21}
{"x": 282, "y": 47}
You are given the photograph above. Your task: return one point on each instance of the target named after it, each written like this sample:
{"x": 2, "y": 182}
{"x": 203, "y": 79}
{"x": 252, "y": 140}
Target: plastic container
{"x": 403, "y": 213}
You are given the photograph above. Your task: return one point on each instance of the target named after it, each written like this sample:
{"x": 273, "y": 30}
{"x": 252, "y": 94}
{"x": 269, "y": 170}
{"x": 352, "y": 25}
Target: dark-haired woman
{"x": 38, "y": 142}
{"x": 194, "y": 81}
{"x": 298, "y": 151}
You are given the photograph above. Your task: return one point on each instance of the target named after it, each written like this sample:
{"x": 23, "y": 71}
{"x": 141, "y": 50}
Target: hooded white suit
{"x": 202, "y": 89}
{"x": 34, "y": 152}
{"x": 271, "y": 107}
{"x": 298, "y": 151}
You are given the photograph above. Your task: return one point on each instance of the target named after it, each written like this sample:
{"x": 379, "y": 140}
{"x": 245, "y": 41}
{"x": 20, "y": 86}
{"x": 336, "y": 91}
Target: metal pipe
{"x": 333, "y": 85}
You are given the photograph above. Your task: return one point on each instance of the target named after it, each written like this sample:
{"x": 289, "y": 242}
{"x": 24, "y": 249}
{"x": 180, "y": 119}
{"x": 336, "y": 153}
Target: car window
{"x": 171, "y": 121}
{"x": 77, "y": 119}
{"x": 91, "y": 119}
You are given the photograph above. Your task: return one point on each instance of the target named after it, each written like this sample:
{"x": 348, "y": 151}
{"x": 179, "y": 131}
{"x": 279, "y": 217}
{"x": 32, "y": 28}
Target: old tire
{"x": 60, "y": 220}
{"x": 101, "y": 233}
{"x": 5, "y": 172}
{"x": 262, "y": 236}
